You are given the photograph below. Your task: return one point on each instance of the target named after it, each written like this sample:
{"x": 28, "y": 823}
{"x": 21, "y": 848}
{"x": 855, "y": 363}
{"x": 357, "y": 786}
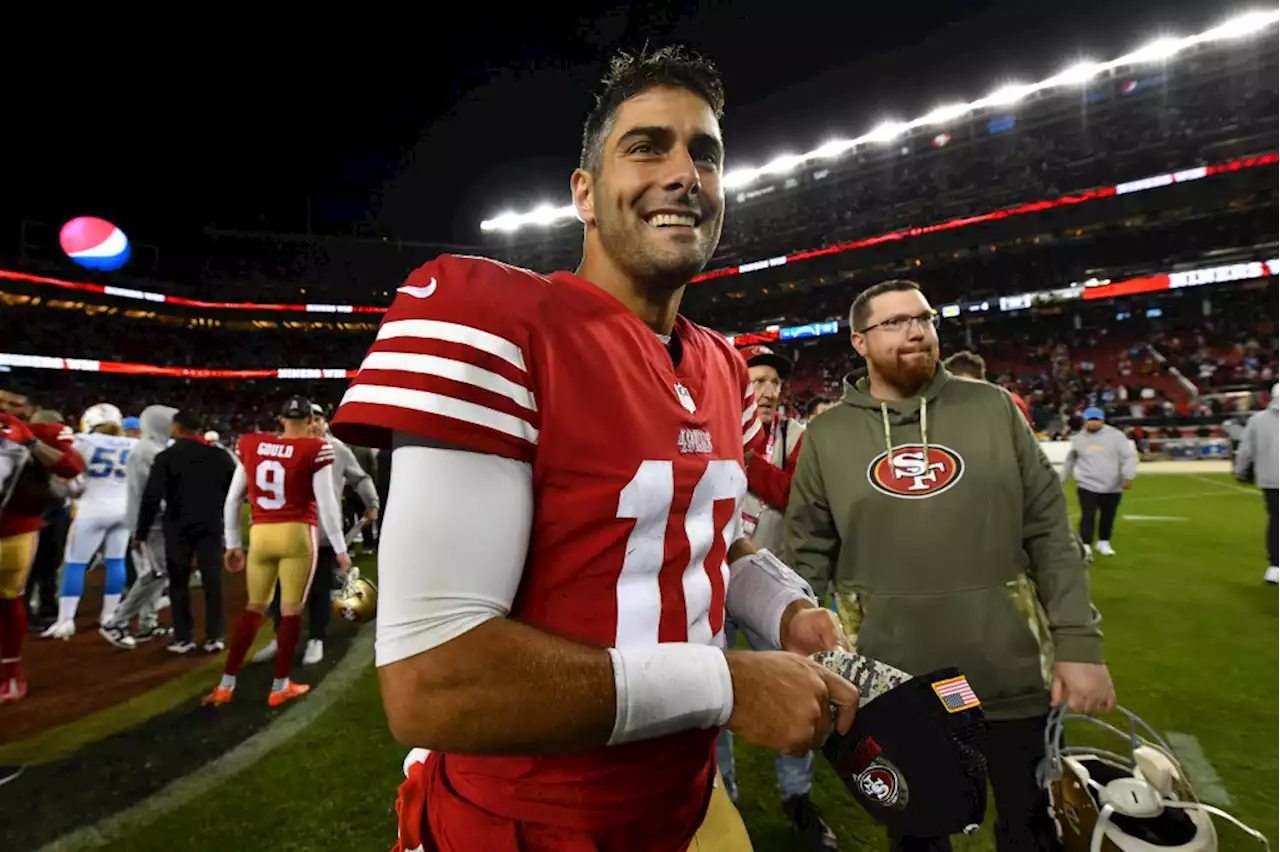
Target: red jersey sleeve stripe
{"x": 748, "y": 413}
{"x": 426, "y": 402}
{"x": 752, "y": 431}
{"x": 448, "y": 368}
{"x": 453, "y": 332}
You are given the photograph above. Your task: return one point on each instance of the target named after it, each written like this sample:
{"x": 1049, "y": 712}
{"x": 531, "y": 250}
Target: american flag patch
{"x": 956, "y": 694}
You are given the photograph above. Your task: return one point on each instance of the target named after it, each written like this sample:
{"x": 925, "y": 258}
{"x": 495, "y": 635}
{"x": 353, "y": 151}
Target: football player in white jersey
{"x": 100, "y": 516}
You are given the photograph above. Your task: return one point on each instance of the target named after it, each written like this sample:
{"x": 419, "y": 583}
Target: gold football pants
{"x": 284, "y": 552}
{"x": 17, "y": 552}
{"x": 722, "y": 829}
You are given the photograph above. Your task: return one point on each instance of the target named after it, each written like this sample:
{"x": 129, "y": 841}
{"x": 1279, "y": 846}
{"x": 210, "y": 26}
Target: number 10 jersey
{"x": 636, "y": 449}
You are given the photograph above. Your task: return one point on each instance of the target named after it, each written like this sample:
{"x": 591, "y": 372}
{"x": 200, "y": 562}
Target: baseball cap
{"x": 759, "y": 354}
{"x": 1094, "y": 413}
{"x": 318, "y": 410}
{"x": 297, "y": 408}
{"x": 914, "y": 756}
{"x": 131, "y": 423}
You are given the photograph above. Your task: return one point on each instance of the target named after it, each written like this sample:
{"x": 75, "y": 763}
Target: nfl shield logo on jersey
{"x": 686, "y": 398}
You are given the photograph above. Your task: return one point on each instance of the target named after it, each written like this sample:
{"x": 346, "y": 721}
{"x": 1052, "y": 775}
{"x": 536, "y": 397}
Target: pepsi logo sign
{"x": 94, "y": 243}
{"x": 907, "y": 474}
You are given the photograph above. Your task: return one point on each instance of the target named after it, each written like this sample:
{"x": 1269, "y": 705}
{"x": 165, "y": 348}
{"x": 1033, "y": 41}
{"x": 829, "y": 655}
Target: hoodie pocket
{"x": 994, "y": 635}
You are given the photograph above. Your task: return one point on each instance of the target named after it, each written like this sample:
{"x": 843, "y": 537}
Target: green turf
{"x": 1190, "y": 636}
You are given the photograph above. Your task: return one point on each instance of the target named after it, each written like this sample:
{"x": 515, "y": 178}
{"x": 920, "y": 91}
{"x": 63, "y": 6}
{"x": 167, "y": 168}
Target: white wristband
{"x": 761, "y": 587}
{"x": 669, "y": 687}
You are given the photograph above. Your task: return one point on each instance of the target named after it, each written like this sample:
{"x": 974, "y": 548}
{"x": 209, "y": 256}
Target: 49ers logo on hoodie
{"x": 907, "y": 474}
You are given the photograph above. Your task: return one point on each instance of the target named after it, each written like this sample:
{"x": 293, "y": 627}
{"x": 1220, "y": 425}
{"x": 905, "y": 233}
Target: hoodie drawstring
{"x": 924, "y": 429}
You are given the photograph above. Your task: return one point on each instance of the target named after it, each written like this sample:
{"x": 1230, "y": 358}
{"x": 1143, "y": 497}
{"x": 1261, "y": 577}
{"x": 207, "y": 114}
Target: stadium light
{"x": 1159, "y": 50}
{"x": 1081, "y": 72}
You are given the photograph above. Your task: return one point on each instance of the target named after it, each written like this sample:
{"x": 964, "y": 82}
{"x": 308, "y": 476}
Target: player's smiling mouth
{"x": 671, "y": 219}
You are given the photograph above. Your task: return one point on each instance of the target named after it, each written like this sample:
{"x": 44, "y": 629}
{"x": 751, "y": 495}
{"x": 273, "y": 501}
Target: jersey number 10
{"x": 647, "y": 498}
{"x": 269, "y": 478}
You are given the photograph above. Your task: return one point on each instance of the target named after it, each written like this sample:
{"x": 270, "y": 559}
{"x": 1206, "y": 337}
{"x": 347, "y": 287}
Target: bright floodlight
{"x": 886, "y": 132}
{"x": 834, "y": 148}
{"x": 1008, "y": 95}
{"x": 1160, "y": 50}
{"x": 739, "y": 177}
{"x": 943, "y": 114}
{"x": 1156, "y": 51}
{"x": 783, "y": 164}
{"x": 1081, "y": 72}
{"x": 1244, "y": 25}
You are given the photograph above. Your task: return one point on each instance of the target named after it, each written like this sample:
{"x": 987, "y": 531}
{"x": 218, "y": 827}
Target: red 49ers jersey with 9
{"x": 638, "y": 481}
{"x": 279, "y": 472}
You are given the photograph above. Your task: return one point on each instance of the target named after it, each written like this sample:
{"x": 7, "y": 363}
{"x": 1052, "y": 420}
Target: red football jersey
{"x": 24, "y": 512}
{"x": 638, "y": 484}
{"x": 279, "y": 472}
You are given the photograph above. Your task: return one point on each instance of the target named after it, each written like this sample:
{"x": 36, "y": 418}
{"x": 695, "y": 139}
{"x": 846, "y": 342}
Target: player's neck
{"x": 293, "y": 433}
{"x": 657, "y": 309}
{"x": 886, "y": 392}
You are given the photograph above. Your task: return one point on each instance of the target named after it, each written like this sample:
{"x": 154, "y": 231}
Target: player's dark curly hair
{"x": 630, "y": 74}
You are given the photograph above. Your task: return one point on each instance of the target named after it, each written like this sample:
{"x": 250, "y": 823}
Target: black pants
{"x": 44, "y": 568}
{"x": 1014, "y": 750}
{"x": 1091, "y": 504}
{"x": 319, "y": 606}
{"x": 1272, "y": 498}
{"x": 206, "y": 547}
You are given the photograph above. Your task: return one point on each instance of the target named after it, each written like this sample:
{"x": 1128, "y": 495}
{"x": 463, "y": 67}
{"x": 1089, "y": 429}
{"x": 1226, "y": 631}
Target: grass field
{"x": 1191, "y": 637}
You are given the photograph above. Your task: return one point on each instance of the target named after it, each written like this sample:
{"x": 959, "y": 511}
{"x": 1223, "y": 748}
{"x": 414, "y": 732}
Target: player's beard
{"x": 905, "y": 373}
{"x": 659, "y": 262}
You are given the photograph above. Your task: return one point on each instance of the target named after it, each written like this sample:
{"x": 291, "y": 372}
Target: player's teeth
{"x": 665, "y": 219}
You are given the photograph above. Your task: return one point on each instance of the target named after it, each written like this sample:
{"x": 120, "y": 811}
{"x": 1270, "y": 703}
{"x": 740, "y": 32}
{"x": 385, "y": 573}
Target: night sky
{"x": 420, "y": 128}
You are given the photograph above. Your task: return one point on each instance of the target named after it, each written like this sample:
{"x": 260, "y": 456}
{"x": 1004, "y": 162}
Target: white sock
{"x": 228, "y": 682}
{"x": 67, "y": 608}
{"x": 279, "y": 684}
{"x": 109, "y": 605}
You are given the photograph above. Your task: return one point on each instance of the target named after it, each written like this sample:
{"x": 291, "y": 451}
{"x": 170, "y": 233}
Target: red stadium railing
{"x": 1141, "y": 185}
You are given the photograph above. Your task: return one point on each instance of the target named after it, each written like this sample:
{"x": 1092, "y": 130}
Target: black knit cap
{"x": 914, "y": 757}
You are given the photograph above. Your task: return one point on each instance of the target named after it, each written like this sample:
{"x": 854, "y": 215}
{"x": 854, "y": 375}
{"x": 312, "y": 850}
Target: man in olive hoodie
{"x": 929, "y": 503}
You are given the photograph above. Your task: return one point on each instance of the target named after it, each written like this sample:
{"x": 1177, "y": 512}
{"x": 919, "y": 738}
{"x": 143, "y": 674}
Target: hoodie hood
{"x": 857, "y": 392}
{"x": 1274, "y": 404}
{"x": 157, "y": 424}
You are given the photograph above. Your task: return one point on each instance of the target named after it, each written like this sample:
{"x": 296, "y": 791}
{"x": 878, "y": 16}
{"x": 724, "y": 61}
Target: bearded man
{"x": 928, "y": 502}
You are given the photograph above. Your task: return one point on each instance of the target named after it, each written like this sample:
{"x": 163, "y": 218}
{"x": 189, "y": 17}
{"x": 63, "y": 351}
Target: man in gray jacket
{"x": 1258, "y": 460}
{"x": 1103, "y": 461}
{"x": 346, "y": 471}
{"x": 149, "y": 559}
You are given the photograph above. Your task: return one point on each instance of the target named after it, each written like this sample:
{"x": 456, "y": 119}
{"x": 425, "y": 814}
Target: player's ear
{"x": 859, "y": 342}
{"x": 582, "y": 185}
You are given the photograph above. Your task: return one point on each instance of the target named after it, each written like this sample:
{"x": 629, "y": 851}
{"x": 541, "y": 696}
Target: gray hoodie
{"x": 1102, "y": 461}
{"x": 1258, "y": 447}
{"x": 157, "y": 429}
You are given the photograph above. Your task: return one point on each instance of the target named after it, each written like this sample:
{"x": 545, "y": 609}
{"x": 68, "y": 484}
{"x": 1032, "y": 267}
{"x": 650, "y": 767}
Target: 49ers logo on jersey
{"x": 909, "y": 475}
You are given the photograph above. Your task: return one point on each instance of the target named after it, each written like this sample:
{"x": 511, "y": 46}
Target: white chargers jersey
{"x": 104, "y": 475}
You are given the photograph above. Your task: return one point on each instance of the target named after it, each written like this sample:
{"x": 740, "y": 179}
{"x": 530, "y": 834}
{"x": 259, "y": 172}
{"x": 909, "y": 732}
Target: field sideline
{"x": 1190, "y": 636}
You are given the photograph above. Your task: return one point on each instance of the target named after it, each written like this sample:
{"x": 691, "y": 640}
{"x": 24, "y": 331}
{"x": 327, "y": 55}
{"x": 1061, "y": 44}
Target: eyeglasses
{"x": 894, "y": 325}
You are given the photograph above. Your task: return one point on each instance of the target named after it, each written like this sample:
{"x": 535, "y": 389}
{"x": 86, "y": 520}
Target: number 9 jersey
{"x": 279, "y": 474}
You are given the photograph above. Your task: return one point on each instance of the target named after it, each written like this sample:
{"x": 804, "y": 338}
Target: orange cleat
{"x": 290, "y": 692}
{"x": 12, "y": 690}
{"x": 220, "y": 695}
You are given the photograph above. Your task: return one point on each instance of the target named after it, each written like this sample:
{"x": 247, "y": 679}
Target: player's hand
{"x": 1086, "y": 687}
{"x": 371, "y": 515}
{"x": 782, "y": 701}
{"x": 15, "y": 430}
{"x": 808, "y": 629}
{"x": 344, "y": 561}
{"x": 1128, "y": 483}
{"x": 136, "y": 544}
{"x": 233, "y": 559}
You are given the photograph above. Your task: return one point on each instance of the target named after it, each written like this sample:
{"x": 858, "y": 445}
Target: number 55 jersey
{"x": 636, "y": 450}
